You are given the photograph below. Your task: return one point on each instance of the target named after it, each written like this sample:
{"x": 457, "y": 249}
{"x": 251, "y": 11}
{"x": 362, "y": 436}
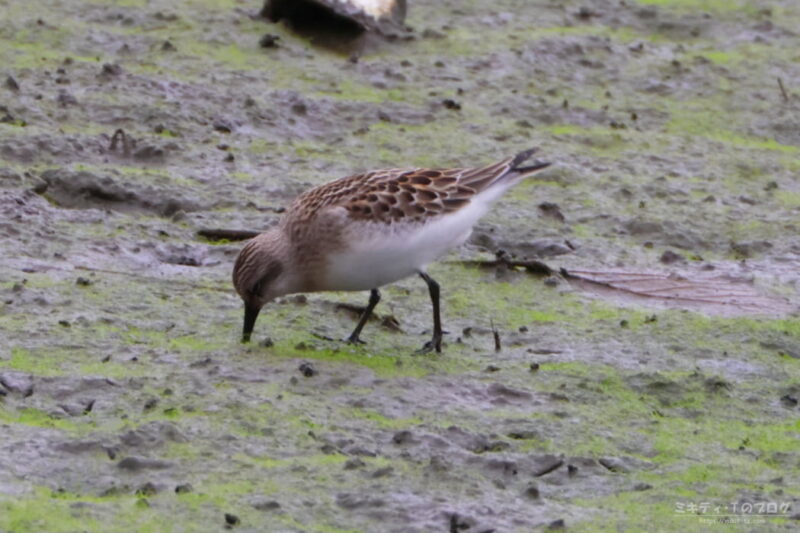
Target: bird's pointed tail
{"x": 509, "y": 170}
{"x": 517, "y": 160}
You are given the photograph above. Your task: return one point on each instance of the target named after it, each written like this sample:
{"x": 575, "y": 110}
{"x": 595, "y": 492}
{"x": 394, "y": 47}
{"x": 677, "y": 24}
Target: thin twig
{"x": 783, "y": 90}
{"x": 532, "y": 266}
{"x": 496, "y": 335}
{"x": 120, "y": 135}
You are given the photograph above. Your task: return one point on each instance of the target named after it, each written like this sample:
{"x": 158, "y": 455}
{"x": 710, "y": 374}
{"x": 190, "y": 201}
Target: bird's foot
{"x": 434, "y": 344}
{"x": 354, "y": 339}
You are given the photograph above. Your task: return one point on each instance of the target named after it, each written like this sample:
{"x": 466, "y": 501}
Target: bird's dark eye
{"x": 272, "y": 273}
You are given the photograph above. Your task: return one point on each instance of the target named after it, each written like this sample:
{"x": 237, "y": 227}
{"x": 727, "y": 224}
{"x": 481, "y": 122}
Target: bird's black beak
{"x": 250, "y": 315}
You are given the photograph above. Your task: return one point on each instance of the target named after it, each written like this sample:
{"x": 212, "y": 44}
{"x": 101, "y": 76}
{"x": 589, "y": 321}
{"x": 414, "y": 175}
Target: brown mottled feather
{"x": 397, "y": 195}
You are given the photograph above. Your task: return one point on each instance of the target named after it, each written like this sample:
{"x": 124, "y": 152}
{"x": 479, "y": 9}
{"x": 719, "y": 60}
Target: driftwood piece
{"x": 721, "y": 293}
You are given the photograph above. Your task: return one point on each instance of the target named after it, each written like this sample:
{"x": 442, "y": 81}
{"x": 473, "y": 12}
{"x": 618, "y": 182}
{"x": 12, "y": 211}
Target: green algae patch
{"x": 121, "y": 3}
{"x": 637, "y": 511}
{"x": 52, "y": 362}
{"x": 384, "y": 365}
{"x": 380, "y": 420}
{"x": 572, "y": 368}
{"x": 704, "y": 118}
{"x": 161, "y": 339}
{"x": 600, "y": 140}
{"x": 709, "y": 327}
{"x": 351, "y": 90}
{"x": 195, "y": 343}
{"x": 30, "y": 416}
{"x": 111, "y": 369}
{"x": 464, "y": 42}
{"x": 290, "y": 521}
{"x": 676, "y": 438}
{"x": 509, "y": 304}
{"x": 672, "y": 416}
{"x": 718, "y": 57}
{"x": 227, "y": 493}
{"x": 62, "y": 511}
{"x": 512, "y": 314}
{"x": 44, "y": 512}
{"x": 718, "y": 485}
{"x": 621, "y": 34}
{"x": 29, "y": 55}
{"x": 33, "y": 363}
{"x": 318, "y": 460}
{"x": 389, "y": 138}
{"x": 749, "y": 7}
{"x": 789, "y": 199}
{"x": 671, "y": 493}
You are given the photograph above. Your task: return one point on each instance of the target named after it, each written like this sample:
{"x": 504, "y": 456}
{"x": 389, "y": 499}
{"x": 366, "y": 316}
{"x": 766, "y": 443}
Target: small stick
{"x": 532, "y": 266}
{"x": 496, "y": 334}
{"x": 226, "y": 234}
{"x": 120, "y": 134}
{"x": 783, "y": 90}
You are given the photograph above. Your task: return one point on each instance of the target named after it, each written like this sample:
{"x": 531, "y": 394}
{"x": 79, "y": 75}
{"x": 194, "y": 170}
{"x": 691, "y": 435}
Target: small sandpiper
{"x": 364, "y": 231}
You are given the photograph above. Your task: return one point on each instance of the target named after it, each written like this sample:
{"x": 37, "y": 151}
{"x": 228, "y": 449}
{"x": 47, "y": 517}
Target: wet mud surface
{"x": 127, "y": 401}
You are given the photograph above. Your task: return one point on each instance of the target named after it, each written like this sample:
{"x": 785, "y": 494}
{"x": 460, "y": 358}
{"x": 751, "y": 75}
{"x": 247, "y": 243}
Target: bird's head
{"x": 260, "y": 275}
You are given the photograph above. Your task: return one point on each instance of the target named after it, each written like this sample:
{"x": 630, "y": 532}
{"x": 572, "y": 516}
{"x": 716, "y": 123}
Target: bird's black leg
{"x": 436, "y": 342}
{"x": 374, "y": 298}
{"x": 250, "y": 315}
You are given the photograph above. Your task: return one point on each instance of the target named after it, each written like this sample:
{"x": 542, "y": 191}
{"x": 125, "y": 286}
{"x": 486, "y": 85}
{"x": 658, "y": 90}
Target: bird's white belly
{"x": 369, "y": 269}
{"x": 379, "y": 254}
{"x": 376, "y": 8}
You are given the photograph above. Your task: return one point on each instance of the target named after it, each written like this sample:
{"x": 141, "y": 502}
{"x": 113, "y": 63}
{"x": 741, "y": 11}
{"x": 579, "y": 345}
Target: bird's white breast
{"x": 378, "y": 253}
{"x": 376, "y": 8}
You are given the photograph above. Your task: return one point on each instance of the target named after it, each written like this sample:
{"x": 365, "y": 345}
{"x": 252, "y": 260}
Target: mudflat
{"x": 651, "y": 385}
